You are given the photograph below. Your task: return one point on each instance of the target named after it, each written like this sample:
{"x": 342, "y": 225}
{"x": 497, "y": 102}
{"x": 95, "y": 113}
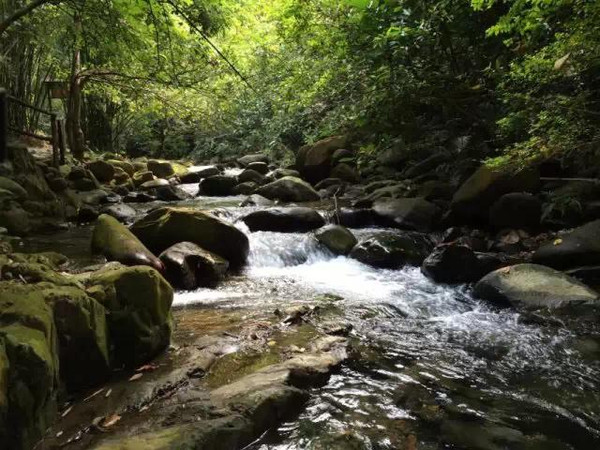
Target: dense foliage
{"x": 513, "y": 81}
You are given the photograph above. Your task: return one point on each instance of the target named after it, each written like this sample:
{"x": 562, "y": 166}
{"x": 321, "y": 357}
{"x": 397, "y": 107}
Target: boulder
{"x": 188, "y": 266}
{"x": 516, "y": 210}
{"x": 85, "y": 184}
{"x": 153, "y": 184}
{"x": 126, "y": 166}
{"x": 161, "y": 169}
{"x": 257, "y": 200}
{"x": 58, "y": 184}
{"x": 115, "y": 242}
{"x": 280, "y": 173}
{"x": 249, "y": 159}
{"x": 287, "y": 220}
{"x": 139, "y": 301}
{"x": 314, "y": 161}
{"x": 16, "y": 221}
{"x": 344, "y": 172}
{"x": 165, "y": 227}
{"x": 341, "y": 156}
{"x": 121, "y": 177}
{"x": 251, "y": 175}
{"x": 94, "y": 198}
{"x": 246, "y": 188}
{"x": 327, "y": 183}
{"x": 289, "y": 189}
{"x": 218, "y": 185}
{"x": 122, "y": 212}
{"x": 82, "y": 336}
{"x": 455, "y": 264}
{"x": 337, "y": 239}
{"x": 406, "y": 213}
{"x": 259, "y": 166}
{"x": 29, "y": 365}
{"x": 102, "y": 170}
{"x": 140, "y": 178}
{"x": 580, "y": 247}
{"x": 471, "y": 202}
{"x": 11, "y": 186}
{"x": 201, "y": 172}
{"x": 355, "y": 218}
{"x": 393, "y": 250}
{"x": 171, "y": 194}
{"x": 87, "y": 214}
{"x": 531, "y": 286}
{"x": 139, "y": 197}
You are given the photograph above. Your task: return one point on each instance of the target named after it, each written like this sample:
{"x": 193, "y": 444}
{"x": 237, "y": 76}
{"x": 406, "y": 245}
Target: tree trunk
{"x": 74, "y": 131}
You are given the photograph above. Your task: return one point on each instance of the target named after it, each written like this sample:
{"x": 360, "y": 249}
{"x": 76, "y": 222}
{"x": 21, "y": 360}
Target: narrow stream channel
{"x": 436, "y": 366}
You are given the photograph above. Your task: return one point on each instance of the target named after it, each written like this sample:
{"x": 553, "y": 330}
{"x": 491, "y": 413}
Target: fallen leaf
{"x": 559, "y": 63}
{"x": 89, "y": 397}
{"x": 137, "y": 376}
{"x": 108, "y": 393}
{"x": 271, "y": 343}
{"x": 558, "y": 241}
{"x": 147, "y": 368}
{"x": 67, "y": 411}
{"x": 110, "y": 421}
{"x": 59, "y": 434}
{"x": 505, "y": 270}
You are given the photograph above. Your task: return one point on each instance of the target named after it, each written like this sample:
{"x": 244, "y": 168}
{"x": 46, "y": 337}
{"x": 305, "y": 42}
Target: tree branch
{"x": 23, "y": 11}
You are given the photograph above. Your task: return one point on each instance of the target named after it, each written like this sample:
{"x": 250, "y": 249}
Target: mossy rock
{"x": 289, "y": 189}
{"x": 113, "y": 240}
{"x": 14, "y": 188}
{"x": 139, "y": 303}
{"x": 126, "y": 166}
{"x": 30, "y": 338}
{"x": 165, "y": 227}
{"x": 83, "y": 336}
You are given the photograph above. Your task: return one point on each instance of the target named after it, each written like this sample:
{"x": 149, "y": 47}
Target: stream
{"x": 437, "y": 368}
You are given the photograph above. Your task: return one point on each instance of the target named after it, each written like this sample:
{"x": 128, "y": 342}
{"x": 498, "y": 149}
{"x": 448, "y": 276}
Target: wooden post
{"x": 54, "y": 127}
{"x": 3, "y": 124}
{"x": 62, "y": 140}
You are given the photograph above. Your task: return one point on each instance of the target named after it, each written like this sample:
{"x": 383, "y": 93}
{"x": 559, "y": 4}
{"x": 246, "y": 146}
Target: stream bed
{"x": 436, "y": 367}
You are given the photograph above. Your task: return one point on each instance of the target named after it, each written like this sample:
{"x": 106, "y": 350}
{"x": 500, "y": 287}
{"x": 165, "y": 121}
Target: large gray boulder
{"x": 286, "y": 220}
{"x": 218, "y": 185}
{"x": 337, "y": 239}
{"x": 188, "y": 266}
{"x": 531, "y": 286}
{"x": 454, "y": 264}
{"x": 393, "y": 250}
{"x": 406, "y": 213}
{"x": 581, "y": 247}
{"x": 471, "y": 202}
{"x": 289, "y": 189}
{"x": 517, "y": 210}
{"x": 115, "y": 242}
{"x": 165, "y": 227}
{"x": 253, "y": 158}
{"x": 314, "y": 161}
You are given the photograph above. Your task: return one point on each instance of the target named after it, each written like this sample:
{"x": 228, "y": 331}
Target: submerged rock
{"x": 114, "y": 241}
{"x": 165, "y": 227}
{"x": 257, "y": 200}
{"x": 188, "y": 266}
{"x": 393, "y": 250}
{"x": 287, "y": 220}
{"x": 289, "y": 189}
{"x": 336, "y": 238}
{"x": 533, "y": 286}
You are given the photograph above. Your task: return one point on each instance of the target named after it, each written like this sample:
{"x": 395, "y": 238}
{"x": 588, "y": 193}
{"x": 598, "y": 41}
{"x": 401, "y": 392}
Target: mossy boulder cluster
{"x": 67, "y": 332}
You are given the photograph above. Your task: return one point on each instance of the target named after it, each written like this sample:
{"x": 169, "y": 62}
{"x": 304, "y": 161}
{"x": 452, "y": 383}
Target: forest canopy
{"x": 510, "y": 82}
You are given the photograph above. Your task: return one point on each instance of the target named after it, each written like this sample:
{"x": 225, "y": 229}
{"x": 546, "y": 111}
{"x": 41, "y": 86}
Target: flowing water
{"x": 437, "y": 368}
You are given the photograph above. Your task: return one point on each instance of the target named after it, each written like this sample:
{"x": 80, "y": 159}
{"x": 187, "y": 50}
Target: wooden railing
{"x": 57, "y": 126}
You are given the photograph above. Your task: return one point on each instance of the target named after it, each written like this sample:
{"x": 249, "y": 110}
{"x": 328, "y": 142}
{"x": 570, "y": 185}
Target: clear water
{"x": 437, "y": 368}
